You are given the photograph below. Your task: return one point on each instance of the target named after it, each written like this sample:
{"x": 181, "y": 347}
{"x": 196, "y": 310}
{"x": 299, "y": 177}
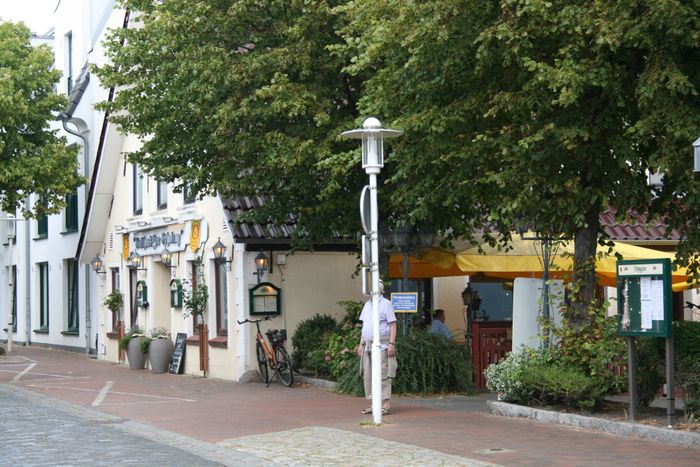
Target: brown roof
{"x": 637, "y": 228}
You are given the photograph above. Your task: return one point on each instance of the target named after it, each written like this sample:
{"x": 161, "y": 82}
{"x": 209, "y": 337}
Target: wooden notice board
{"x": 176, "y": 366}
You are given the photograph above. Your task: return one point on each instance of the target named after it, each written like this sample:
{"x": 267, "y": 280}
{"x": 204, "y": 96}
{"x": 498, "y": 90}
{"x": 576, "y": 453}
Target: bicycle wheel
{"x": 262, "y": 363}
{"x": 284, "y": 366}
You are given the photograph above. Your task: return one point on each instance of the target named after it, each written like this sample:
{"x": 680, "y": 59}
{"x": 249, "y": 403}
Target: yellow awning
{"x": 524, "y": 259}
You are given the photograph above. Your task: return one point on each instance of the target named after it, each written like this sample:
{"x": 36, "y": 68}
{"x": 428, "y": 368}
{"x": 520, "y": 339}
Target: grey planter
{"x": 160, "y": 351}
{"x": 137, "y": 359}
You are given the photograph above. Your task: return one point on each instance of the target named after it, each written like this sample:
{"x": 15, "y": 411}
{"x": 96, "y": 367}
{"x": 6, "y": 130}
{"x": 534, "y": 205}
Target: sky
{"x": 35, "y": 13}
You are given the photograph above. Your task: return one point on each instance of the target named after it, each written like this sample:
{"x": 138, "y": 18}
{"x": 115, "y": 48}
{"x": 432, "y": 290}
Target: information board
{"x": 404, "y": 302}
{"x": 178, "y": 354}
{"x": 644, "y": 298}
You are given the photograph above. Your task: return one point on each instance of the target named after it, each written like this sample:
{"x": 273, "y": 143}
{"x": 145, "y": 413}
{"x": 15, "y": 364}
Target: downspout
{"x": 27, "y": 279}
{"x": 82, "y": 126}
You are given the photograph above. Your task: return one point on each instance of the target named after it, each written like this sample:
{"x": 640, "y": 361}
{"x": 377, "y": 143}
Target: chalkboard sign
{"x": 176, "y": 367}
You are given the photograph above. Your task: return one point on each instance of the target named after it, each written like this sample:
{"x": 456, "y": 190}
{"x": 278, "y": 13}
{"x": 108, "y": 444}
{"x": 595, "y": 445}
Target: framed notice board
{"x": 265, "y": 299}
{"x": 644, "y": 305}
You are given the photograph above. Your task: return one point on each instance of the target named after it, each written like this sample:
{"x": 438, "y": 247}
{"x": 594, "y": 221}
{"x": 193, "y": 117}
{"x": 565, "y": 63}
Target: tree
{"x": 241, "y": 98}
{"x": 34, "y": 159}
{"x": 540, "y": 111}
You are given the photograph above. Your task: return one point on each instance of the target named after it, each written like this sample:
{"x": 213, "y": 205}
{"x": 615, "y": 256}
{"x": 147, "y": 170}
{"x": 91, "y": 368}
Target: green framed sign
{"x": 265, "y": 299}
{"x": 644, "y": 298}
{"x": 141, "y": 294}
{"x": 176, "y": 293}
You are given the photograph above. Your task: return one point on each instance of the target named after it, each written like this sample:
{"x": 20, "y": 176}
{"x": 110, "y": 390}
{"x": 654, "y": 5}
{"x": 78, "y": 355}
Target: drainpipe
{"x": 27, "y": 281}
{"x": 82, "y": 131}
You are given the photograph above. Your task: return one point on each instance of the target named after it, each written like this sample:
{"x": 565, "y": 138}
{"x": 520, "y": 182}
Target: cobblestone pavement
{"x": 63, "y": 408}
{"x": 40, "y": 431}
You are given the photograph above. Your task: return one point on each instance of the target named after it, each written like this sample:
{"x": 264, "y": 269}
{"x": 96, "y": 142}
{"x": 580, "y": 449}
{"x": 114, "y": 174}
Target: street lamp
{"x": 372, "y": 135}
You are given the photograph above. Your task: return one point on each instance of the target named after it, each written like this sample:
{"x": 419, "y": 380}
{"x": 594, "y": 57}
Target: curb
{"x": 319, "y": 383}
{"x": 664, "y": 435}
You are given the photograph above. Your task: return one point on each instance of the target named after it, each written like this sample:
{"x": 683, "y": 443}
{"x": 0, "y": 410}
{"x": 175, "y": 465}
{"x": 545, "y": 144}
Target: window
{"x": 71, "y": 216}
{"x": 43, "y": 296}
{"x": 162, "y": 194}
{"x": 114, "y": 272}
{"x": 42, "y": 227}
{"x": 71, "y": 268}
{"x": 14, "y": 298}
{"x": 137, "y": 193}
{"x": 69, "y": 62}
{"x": 221, "y": 300}
{"x": 188, "y": 196}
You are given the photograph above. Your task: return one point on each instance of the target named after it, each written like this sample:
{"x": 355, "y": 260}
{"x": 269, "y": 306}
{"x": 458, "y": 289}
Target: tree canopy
{"x": 33, "y": 158}
{"x": 242, "y": 98}
{"x": 542, "y": 112}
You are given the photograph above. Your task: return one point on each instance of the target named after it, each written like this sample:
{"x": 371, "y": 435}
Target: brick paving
{"x": 247, "y": 424}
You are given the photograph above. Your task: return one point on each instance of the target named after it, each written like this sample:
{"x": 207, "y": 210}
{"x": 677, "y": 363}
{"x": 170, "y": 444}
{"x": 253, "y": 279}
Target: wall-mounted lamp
{"x": 98, "y": 265}
{"x": 261, "y": 262}
{"x": 220, "y": 254}
{"x": 166, "y": 258}
{"x": 143, "y": 223}
{"x": 135, "y": 261}
{"x": 119, "y": 228}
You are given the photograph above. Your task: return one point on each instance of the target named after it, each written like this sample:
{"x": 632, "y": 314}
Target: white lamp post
{"x": 372, "y": 135}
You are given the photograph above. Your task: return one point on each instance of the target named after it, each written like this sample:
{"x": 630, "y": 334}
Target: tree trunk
{"x": 584, "y": 277}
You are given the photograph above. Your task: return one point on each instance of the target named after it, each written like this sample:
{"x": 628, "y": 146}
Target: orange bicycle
{"x": 273, "y": 356}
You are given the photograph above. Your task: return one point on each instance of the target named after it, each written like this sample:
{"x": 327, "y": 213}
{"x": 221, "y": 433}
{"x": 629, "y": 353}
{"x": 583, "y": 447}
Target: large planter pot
{"x": 137, "y": 359}
{"x": 160, "y": 352}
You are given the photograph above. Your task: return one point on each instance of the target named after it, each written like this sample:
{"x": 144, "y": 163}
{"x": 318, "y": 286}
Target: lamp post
{"x": 372, "y": 135}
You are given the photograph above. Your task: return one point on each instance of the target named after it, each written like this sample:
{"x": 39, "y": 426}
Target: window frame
{"x": 72, "y": 296}
{"x": 43, "y": 289}
{"x": 137, "y": 190}
{"x": 221, "y": 292}
{"x": 162, "y": 195}
{"x": 70, "y": 219}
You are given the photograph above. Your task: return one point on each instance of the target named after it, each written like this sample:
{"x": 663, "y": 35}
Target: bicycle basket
{"x": 277, "y": 337}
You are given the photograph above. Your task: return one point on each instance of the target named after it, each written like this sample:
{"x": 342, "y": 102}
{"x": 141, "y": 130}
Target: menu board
{"x": 644, "y": 298}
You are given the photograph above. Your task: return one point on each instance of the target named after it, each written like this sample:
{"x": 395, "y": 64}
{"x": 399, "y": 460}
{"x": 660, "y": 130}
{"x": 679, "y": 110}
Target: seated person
{"x": 438, "y": 325}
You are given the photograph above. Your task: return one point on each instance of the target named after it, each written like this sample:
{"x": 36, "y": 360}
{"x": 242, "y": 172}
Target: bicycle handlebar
{"x": 254, "y": 321}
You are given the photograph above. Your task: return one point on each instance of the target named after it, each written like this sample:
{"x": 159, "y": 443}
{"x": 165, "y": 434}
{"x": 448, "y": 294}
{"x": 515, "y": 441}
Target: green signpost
{"x": 644, "y": 308}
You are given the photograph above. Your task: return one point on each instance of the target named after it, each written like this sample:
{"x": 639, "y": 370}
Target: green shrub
{"x": 541, "y": 377}
{"x": 554, "y": 383}
{"x": 594, "y": 348}
{"x": 342, "y": 348}
{"x": 428, "y": 364}
{"x": 505, "y": 378}
{"x": 310, "y": 340}
{"x": 431, "y": 364}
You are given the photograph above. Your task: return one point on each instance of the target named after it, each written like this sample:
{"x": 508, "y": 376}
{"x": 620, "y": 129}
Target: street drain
{"x": 493, "y": 451}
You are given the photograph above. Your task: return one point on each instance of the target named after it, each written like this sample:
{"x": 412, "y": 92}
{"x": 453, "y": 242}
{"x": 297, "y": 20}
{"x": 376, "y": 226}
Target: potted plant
{"x": 131, "y": 342}
{"x": 160, "y": 349}
{"x": 114, "y": 302}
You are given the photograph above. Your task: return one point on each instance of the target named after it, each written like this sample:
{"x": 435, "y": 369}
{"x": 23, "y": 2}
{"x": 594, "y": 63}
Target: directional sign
{"x": 365, "y": 209}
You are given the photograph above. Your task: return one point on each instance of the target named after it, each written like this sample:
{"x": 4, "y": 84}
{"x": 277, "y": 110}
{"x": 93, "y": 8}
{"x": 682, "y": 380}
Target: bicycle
{"x": 274, "y": 358}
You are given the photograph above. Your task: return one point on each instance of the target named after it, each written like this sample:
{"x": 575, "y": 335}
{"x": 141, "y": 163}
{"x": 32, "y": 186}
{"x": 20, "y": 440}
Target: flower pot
{"x": 137, "y": 359}
{"x": 160, "y": 351}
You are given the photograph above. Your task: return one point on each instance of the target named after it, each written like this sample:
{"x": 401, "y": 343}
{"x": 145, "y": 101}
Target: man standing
{"x": 387, "y": 338}
{"x": 438, "y": 325}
